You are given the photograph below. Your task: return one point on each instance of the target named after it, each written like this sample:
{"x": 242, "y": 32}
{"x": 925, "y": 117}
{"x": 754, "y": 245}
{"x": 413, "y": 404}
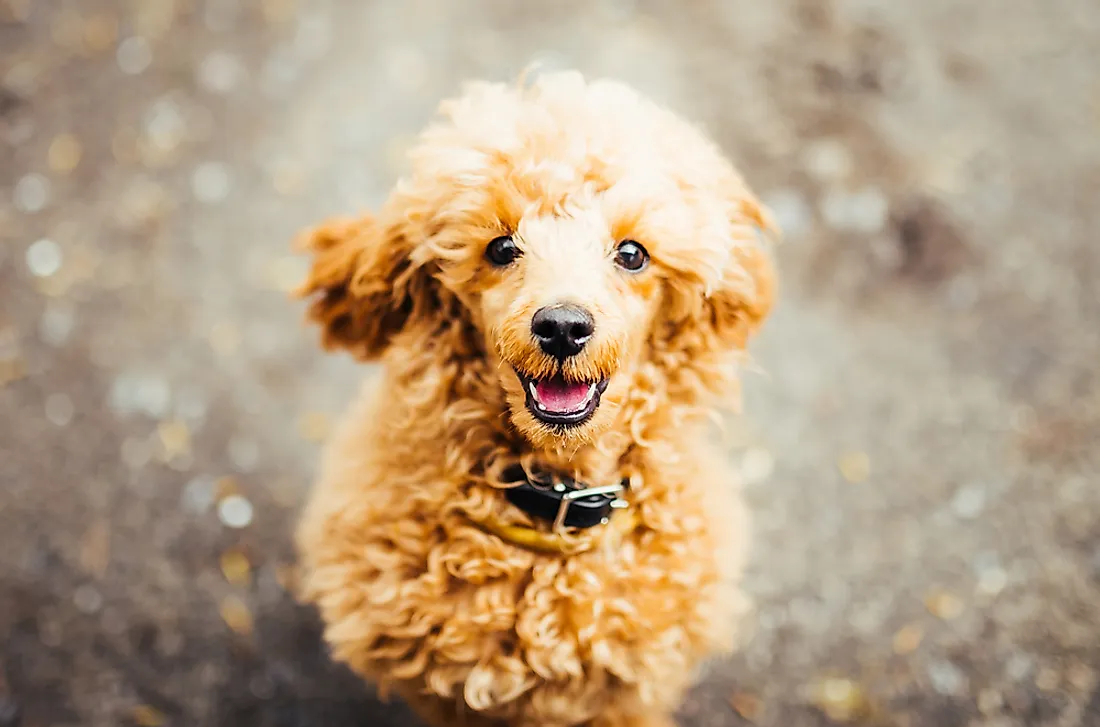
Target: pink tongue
{"x": 559, "y": 396}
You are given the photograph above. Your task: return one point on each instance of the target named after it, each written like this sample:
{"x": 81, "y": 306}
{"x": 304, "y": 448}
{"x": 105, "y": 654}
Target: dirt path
{"x": 917, "y": 448}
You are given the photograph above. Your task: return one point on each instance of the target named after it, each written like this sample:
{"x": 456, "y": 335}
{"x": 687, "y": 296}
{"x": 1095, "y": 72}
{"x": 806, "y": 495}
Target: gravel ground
{"x": 917, "y": 442}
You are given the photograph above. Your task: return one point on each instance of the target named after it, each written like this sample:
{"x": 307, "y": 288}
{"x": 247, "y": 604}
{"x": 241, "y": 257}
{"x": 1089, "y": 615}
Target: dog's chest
{"x": 466, "y": 608}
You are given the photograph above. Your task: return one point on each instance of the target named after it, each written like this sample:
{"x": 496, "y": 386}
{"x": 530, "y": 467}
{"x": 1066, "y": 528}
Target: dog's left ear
{"x": 364, "y": 285}
{"x": 737, "y": 306}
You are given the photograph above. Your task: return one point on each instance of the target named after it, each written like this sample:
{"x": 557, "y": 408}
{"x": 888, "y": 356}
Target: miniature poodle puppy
{"x": 522, "y": 520}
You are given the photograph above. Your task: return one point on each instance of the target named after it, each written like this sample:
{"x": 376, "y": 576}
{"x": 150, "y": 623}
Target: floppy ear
{"x": 363, "y": 284}
{"x": 695, "y": 341}
{"x": 742, "y": 300}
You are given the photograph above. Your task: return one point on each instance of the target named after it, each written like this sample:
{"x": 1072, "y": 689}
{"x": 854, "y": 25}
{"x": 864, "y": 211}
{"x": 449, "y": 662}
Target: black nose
{"x": 563, "y": 329}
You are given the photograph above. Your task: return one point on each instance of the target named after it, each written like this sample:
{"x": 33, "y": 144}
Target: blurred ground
{"x": 920, "y": 447}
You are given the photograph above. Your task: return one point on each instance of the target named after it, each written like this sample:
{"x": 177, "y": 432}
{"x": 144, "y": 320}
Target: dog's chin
{"x": 558, "y": 409}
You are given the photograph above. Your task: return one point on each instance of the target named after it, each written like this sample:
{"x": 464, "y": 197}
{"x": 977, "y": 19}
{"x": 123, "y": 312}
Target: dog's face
{"x": 566, "y": 301}
{"x": 590, "y": 238}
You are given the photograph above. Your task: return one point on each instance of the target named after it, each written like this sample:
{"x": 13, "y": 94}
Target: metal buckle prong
{"x": 568, "y": 498}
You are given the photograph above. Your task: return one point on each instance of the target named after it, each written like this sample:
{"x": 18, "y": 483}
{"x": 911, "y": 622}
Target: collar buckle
{"x": 563, "y": 501}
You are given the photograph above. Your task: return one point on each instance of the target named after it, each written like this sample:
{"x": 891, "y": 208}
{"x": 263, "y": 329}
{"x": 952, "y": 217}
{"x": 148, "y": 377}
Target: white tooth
{"x": 535, "y": 396}
{"x": 587, "y": 398}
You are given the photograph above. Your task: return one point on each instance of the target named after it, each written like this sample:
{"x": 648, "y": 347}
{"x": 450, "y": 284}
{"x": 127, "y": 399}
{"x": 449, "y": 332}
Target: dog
{"x": 523, "y": 520}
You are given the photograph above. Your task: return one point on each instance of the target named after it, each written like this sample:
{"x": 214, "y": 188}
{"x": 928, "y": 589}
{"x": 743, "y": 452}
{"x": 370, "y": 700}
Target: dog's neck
{"x": 594, "y": 463}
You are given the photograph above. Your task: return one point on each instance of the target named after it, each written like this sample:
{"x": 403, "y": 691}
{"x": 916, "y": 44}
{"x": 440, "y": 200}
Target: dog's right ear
{"x": 363, "y": 286}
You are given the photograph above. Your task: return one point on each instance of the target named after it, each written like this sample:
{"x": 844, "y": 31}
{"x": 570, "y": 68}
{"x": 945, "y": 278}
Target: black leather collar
{"x": 562, "y": 500}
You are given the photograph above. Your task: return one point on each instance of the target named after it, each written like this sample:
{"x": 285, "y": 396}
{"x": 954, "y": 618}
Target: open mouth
{"x": 561, "y": 403}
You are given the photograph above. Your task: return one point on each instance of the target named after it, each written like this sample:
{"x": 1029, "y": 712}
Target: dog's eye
{"x": 502, "y": 251}
{"x": 631, "y": 256}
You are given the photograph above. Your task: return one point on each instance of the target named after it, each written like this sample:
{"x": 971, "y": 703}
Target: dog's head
{"x": 598, "y": 247}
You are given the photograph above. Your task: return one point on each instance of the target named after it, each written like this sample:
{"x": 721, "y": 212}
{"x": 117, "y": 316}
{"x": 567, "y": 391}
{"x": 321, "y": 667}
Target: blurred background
{"x": 920, "y": 442}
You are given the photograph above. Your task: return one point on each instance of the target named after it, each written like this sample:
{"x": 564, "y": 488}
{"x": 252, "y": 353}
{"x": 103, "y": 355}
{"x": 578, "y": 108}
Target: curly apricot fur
{"x": 468, "y": 628}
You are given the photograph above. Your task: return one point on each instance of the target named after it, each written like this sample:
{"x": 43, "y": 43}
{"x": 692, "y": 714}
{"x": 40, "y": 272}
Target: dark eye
{"x": 631, "y": 256}
{"x": 502, "y": 251}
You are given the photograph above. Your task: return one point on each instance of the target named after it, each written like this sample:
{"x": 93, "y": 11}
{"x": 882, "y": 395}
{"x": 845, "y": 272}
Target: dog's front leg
{"x": 438, "y": 712}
